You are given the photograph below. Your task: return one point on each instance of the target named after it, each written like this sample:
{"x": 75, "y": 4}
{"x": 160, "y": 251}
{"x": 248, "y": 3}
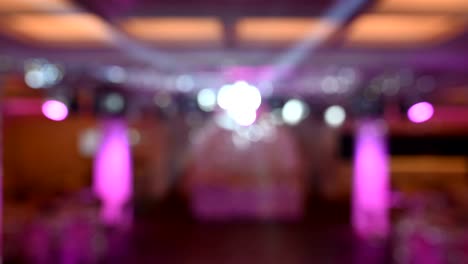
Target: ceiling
{"x": 208, "y": 38}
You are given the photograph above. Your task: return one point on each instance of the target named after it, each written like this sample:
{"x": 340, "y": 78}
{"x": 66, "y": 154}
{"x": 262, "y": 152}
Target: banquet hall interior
{"x": 234, "y": 131}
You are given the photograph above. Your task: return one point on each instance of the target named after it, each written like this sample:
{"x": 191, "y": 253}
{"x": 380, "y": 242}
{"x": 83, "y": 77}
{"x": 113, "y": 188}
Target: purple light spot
{"x": 112, "y": 170}
{"x": 55, "y": 110}
{"x": 371, "y": 181}
{"x": 420, "y": 112}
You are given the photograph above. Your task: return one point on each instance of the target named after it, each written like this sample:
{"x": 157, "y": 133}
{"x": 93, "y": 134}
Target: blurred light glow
{"x": 420, "y": 112}
{"x": 243, "y": 117}
{"x": 206, "y": 99}
{"x": 240, "y": 142}
{"x": 330, "y": 85}
{"x": 276, "y": 116}
{"x": 241, "y": 101}
{"x": 371, "y": 181}
{"x": 334, "y": 116}
{"x": 223, "y": 96}
{"x": 163, "y": 100}
{"x": 35, "y": 79}
{"x": 55, "y": 110}
{"x": 52, "y": 73}
{"x": 224, "y": 121}
{"x": 185, "y": 83}
{"x": 114, "y": 102}
{"x": 112, "y": 170}
{"x": 116, "y": 74}
{"x": 40, "y": 74}
{"x": 239, "y": 95}
{"x": 88, "y": 142}
{"x": 294, "y": 111}
{"x": 347, "y": 75}
{"x": 134, "y": 136}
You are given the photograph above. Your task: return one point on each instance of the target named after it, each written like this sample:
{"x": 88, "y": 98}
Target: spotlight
{"x": 239, "y": 95}
{"x": 41, "y": 74}
{"x": 206, "y": 99}
{"x": 114, "y": 102}
{"x": 55, "y": 110}
{"x": 115, "y": 74}
{"x": 334, "y": 116}
{"x": 243, "y": 117}
{"x": 185, "y": 83}
{"x": 241, "y": 101}
{"x": 34, "y": 79}
{"x": 110, "y": 102}
{"x": 420, "y": 112}
{"x": 294, "y": 111}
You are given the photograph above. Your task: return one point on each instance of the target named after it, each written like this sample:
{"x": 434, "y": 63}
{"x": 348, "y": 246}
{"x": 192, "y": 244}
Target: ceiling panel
{"x": 12, "y": 6}
{"x": 439, "y": 6}
{"x": 270, "y": 31}
{"x": 57, "y": 30}
{"x": 397, "y": 31}
{"x": 175, "y": 30}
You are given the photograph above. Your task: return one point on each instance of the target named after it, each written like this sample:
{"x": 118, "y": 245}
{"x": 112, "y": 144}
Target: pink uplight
{"x": 113, "y": 171}
{"x": 371, "y": 181}
{"x": 420, "y": 112}
{"x": 55, "y": 110}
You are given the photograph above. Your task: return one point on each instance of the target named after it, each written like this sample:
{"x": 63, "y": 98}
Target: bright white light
{"x": 206, "y": 99}
{"x": 239, "y": 95}
{"x": 224, "y": 96}
{"x": 241, "y": 101}
{"x": 334, "y": 116}
{"x": 35, "y": 79}
{"x": 224, "y": 121}
{"x": 243, "y": 117}
{"x": 42, "y": 75}
{"x": 51, "y": 73}
{"x": 294, "y": 111}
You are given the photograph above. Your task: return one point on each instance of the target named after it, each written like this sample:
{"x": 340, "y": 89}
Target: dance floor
{"x": 169, "y": 235}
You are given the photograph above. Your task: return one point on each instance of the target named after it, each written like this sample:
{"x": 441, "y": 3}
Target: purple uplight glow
{"x": 420, "y": 112}
{"x": 55, "y": 110}
{"x": 112, "y": 171}
{"x": 371, "y": 181}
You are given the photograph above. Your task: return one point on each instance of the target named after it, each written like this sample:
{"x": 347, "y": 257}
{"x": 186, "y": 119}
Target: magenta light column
{"x": 112, "y": 180}
{"x": 370, "y": 217}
